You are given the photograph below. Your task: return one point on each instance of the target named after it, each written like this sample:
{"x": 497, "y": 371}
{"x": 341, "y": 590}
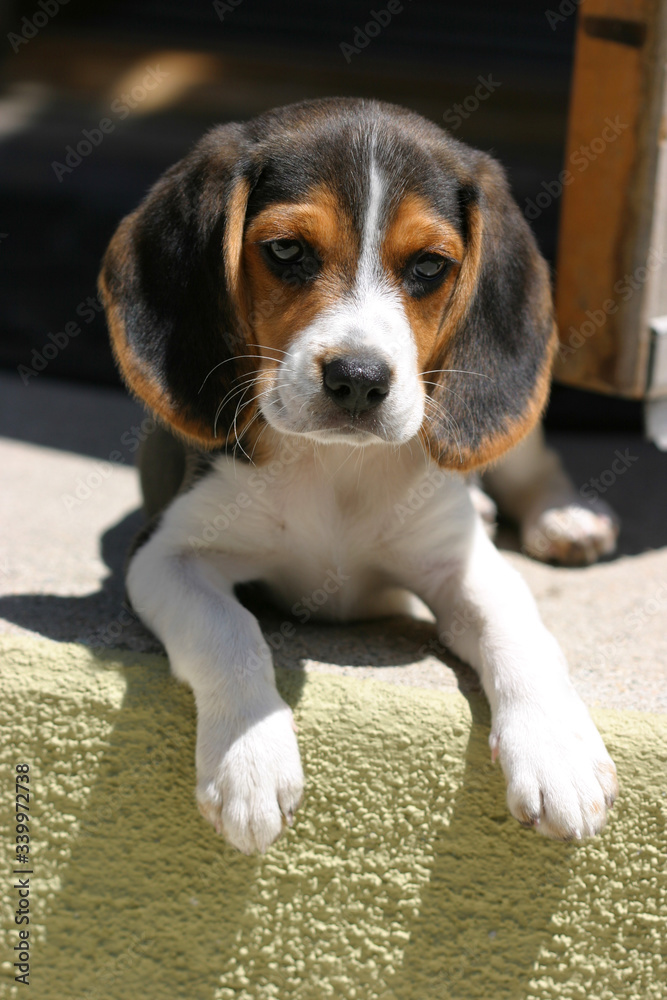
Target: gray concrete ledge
{"x": 64, "y": 546}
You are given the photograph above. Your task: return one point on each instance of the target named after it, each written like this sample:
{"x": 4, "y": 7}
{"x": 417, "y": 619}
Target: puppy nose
{"x": 356, "y": 384}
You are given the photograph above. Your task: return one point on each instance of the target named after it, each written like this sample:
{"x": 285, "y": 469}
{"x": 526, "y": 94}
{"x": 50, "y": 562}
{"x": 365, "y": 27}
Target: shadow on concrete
{"x": 492, "y": 891}
{"x": 106, "y": 619}
{"x": 627, "y": 472}
{"x": 176, "y": 903}
{"x": 102, "y": 619}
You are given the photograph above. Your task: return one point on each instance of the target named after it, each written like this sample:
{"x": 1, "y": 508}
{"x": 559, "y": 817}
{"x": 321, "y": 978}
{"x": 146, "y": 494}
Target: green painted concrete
{"x": 403, "y": 877}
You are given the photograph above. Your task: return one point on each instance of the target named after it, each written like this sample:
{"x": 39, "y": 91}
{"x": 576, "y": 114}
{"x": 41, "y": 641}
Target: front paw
{"x": 560, "y": 778}
{"x": 249, "y": 775}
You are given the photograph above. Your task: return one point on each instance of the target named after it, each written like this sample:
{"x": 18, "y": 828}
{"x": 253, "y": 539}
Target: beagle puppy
{"x": 339, "y": 311}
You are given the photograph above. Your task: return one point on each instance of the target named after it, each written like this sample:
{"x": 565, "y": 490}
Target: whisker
{"x": 239, "y": 388}
{"x": 439, "y": 385}
{"x": 263, "y": 430}
{"x": 423, "y": 444}
{"x": 360, "y": 464}
{"x": 257, "y": 440}
{"x": 346, "y": 459}
{"x": 456, "y": 371}
{"x": 253, "y": 380}
{"x": 238, "y": 357}
{"x": 441, "y": 410}
{"x": 236, "y": 435}
{"x": 219, "y": 411}
{"x": 265, "y": 392}
{"x": 308, "y": 396}
{"x": 239, "y": 391}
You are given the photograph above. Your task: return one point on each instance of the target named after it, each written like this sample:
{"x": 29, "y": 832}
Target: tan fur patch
{"x": 467, "y": 275}
{"x": 233, "y": 240}
{"x": 281, "y": 308}
{"x": 416, "y": 227}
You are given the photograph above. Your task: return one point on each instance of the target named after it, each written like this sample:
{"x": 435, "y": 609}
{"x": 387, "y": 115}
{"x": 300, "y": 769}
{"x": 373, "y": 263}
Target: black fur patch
{"x": 169, "y": 284}
{"x": 506, "y": 335}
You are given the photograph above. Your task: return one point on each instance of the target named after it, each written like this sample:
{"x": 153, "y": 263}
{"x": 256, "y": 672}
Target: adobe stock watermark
{"x": 31, "y": 26}
{"x": 363, "y": 35}
{"x": 580, "y": 159}
{"x": 121, "y": 107}
{"x": 456, "y": 115}
{"x": 84, "y": 486}
{"x": 257, "y": 483}
{"x": 109, "y": 634}
{"x": 56, "y": 342}
{"x": 633, "y": 622}
{"x": 417, "y": 496}
{"x": 597, "y": 485}
{"x": 624, "y": 288}
{"x": 221, "y": 8}
{"x": 303, "y": 609}
{"x": 562, "y": 521}
{"x": 566, "y": 9}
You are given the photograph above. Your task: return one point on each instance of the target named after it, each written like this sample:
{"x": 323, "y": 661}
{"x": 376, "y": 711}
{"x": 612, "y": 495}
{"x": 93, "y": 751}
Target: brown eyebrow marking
{"x": 233, "y": 238}
{"x": 281, "y": 309}
{"x": 320, "y": 219}
{"x": 414, "y": 227}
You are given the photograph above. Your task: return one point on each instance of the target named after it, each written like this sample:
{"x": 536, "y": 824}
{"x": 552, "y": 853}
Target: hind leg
{"x": 556, "y": 523}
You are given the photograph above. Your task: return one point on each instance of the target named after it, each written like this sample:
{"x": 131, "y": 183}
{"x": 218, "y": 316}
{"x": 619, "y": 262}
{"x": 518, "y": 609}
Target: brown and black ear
{"x": 171, "y": 287}
{"x": 499, "y": 324}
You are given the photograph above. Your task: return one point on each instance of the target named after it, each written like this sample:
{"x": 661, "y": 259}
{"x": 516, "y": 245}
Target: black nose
{"x": 356, "y": 384}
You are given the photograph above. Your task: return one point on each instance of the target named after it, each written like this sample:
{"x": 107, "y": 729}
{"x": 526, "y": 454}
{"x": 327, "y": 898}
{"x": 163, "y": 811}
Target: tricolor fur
{"x": 337, "y": 306}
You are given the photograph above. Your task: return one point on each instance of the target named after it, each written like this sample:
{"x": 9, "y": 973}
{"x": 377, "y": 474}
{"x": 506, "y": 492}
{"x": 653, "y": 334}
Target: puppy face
{"x": 359, "y": 285}
{"x": 339, "y": 269}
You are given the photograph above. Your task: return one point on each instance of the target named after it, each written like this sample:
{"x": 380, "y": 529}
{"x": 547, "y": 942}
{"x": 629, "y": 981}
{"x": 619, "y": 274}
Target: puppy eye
{"x": 286, "y": 251}
{"x": 429, "y": 266}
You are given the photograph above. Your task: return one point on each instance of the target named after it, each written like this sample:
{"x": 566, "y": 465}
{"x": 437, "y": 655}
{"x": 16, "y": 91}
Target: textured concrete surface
{"x": 403, "y": 878}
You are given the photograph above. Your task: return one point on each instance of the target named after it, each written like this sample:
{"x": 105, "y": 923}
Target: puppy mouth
{"x": 354, "y": 399}
{"x": 322, "y": 420}
{"x": 347, "y": 435}
{"x": 360, "y": 426}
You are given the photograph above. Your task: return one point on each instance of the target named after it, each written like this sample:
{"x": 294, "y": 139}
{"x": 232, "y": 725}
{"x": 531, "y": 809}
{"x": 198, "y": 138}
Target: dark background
{"x": 252, "y": 56}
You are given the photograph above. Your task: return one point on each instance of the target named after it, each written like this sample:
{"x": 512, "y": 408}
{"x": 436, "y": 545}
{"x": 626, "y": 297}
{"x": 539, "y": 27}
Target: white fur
{"x": 347, "y": 514}
{"x": 370, "y": 320}
{"x": 344, "y": 513}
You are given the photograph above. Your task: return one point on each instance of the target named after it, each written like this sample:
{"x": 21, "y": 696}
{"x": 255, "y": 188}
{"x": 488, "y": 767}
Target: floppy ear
{"x": 499, "y": 324}
{"x": 171, "y": 287}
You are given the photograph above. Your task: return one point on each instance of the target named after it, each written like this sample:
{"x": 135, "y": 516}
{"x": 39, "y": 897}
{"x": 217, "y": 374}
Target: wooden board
{"x": 605, "y": 258}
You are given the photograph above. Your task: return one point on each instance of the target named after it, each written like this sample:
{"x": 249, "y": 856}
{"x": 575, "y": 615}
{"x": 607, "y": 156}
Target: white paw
{"x": 560, "y": 778}
{"x": 573, "y": 535}
{"x": 249, "y": 775}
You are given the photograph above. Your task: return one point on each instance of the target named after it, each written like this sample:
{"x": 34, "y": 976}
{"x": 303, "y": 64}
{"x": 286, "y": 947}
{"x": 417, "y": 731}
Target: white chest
{"x": 333, "y": 524}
